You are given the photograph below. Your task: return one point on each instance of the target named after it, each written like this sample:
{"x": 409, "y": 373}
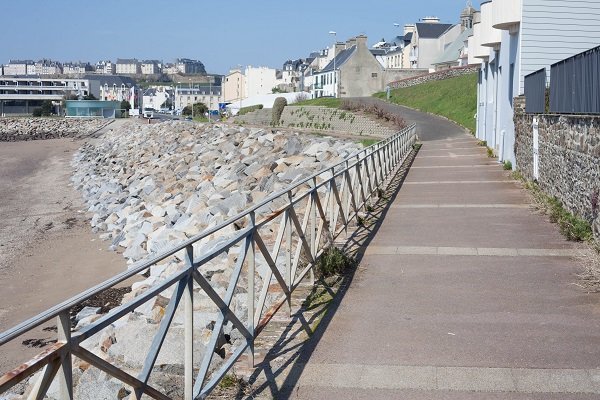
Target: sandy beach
{"x": 48, "y": 252}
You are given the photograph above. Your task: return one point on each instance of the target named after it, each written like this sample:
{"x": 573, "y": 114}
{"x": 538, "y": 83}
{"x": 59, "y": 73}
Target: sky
{"x": 220, "y": 34}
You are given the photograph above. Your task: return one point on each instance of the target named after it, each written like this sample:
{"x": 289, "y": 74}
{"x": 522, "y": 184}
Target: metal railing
{"x": 287, "y": 242}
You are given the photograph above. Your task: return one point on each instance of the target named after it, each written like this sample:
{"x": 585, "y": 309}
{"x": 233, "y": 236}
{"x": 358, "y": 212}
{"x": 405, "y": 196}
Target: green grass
{"x": 321, "y": 101}
{"x": 368, "y": 142}
{"x": 454, "y": 98}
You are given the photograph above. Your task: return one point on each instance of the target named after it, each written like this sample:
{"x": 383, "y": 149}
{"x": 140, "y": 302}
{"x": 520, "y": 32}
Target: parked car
{"x": 148, "y": 113}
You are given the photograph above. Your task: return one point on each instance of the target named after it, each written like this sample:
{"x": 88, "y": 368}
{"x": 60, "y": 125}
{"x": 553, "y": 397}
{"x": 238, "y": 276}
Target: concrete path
{"x": 463, "y": 293}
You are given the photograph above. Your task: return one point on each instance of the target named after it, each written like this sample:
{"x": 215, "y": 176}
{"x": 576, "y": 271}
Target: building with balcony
{"x": 515, "y": 38}
{"x": 20, "y": 95}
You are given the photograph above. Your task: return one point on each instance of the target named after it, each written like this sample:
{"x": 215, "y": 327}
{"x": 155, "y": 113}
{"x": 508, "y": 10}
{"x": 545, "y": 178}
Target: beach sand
{"x": 48, "y": 252}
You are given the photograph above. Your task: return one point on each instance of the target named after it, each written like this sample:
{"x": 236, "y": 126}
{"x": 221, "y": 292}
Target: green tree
{"x": 47, "y": 108}
{"x": 125, "y": 105}
{"x": 199, "y": 109}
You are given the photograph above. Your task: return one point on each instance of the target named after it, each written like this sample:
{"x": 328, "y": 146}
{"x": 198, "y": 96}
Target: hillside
{"x": 454, "y": 98}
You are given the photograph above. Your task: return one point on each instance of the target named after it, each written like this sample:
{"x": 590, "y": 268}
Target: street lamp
{"x": 334, "y": 57}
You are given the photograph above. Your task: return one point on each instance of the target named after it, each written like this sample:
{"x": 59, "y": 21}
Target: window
{"x": 374, "y": 75}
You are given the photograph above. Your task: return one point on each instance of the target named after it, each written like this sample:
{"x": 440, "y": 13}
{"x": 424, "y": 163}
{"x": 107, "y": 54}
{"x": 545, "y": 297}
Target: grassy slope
{"x": 454, "y": 98}
{"x": 321, "y": 101}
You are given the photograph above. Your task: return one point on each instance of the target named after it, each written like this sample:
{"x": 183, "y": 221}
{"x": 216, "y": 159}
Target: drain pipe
{"x": 501, "y": 155}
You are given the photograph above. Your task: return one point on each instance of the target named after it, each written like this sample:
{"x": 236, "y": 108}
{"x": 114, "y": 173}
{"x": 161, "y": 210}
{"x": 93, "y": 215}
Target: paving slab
{"x": 463, "y": 292}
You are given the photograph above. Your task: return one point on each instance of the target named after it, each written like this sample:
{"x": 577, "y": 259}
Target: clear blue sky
{"x": 221, "y": 34}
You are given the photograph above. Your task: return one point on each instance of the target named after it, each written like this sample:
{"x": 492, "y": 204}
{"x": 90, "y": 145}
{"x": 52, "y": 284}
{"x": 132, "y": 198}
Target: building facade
{"x": 19, "y": 68}
{"x": 514, "y": 39}
{"x": 234, "y": 86}
{"x": 259, "y": 81}
{"x": 211, "y": 96}
{"x": 353, "y": 72}
{"x": 151, "y": 67}
{"x": 126, "y": 66}
{"x": 188, "y": 66}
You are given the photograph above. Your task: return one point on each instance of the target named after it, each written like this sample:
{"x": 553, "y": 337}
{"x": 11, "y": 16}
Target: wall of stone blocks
{"x": 318, "y": 118}
{"x": 569, "y": 159}
{"x": 435, "y": 76}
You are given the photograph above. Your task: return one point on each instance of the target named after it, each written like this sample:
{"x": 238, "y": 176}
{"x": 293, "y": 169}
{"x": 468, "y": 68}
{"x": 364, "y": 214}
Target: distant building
{"x": 234, "y": 86}
{"x": 156, "y": 97}
{"x": 187, "y": 66}
{"x": 151, "y": 67}
{"x": 455, "y": 54}
{"x": 354, "y": 72}
{"x": 19, "y": 68}
{"x": 259, "y": 81}
{"x": 48, "y": 67}
{"x": 79, "y": 68}
{"x": 112, "y": 87}
{"x": 170, "y": 69}
{"x": 20, "y": 95}
{"x": 106, "y": 67}
{"x": 207, "y": 94}
{"x": 430, "y": 40}
{"x": 128, "y": 66}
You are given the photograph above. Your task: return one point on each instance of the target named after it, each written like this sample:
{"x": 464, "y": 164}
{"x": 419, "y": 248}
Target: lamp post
{"x": 334, "y": 57}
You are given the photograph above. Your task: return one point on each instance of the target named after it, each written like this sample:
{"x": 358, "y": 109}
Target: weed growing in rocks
{"x": 332, "y": 262}
{"x": 507, "y": 166}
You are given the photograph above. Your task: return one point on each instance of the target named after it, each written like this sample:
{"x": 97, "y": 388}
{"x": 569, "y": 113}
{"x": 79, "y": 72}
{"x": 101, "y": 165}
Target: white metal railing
{"x": 314, "y": 212}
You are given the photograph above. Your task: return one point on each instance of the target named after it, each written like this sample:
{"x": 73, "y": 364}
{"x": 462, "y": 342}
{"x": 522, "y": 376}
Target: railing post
{"x": 288, "y": 252}
{"x": 188, "y": 300}
{"x": 65, "y": 373}
{"x": 251, "y": 257}
{"x": 313, "y": 229}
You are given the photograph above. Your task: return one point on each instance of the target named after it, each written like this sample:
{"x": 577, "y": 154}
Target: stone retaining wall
{"x": 436, "y": 76}
{"x": 319, "y": 119}
{"x": 569, "y": 159}
{"x": 19, "y": 129}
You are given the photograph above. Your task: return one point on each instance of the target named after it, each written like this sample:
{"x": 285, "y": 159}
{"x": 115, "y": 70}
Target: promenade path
{"x": 464, "y": 292}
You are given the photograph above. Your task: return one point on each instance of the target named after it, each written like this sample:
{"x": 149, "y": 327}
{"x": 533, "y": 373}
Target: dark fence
{"x": 535, "y": 92}
{"x": 575, "y": 84}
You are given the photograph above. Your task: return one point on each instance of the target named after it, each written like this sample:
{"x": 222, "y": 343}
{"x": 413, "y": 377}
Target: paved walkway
{"x": 464, "y": 293}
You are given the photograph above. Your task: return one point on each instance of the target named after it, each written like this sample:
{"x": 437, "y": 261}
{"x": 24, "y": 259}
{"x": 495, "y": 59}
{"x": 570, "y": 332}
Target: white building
{"x": 19, "y": 68}
{"x": 429, "y": 41}
{"x": 151, "y": 67}
{"x": 259, "y": 81}
{"x": 105, "y": 67}
{"x": 514, "y": 39}
{"x": 48, "y": 67}
{"x": 157, "y": 97}
{"x": 78, "y": 68}
{"x": 207, "y": 94}
{"x": 128, "y": 66}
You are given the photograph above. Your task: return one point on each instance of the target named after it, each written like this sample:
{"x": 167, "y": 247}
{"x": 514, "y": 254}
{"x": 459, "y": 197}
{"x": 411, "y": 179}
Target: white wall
{"x": 554, "y": 30}
{"x": 259, "y": 81}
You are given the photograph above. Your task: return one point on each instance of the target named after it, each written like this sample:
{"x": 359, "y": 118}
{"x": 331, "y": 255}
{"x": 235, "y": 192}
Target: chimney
{"x": 361, "y": 41}
{"x": 339, "y": 47}
{"x": 351, "y": 42}
{"x": 431, "y": 20}
{"x": 409, "y": 28}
